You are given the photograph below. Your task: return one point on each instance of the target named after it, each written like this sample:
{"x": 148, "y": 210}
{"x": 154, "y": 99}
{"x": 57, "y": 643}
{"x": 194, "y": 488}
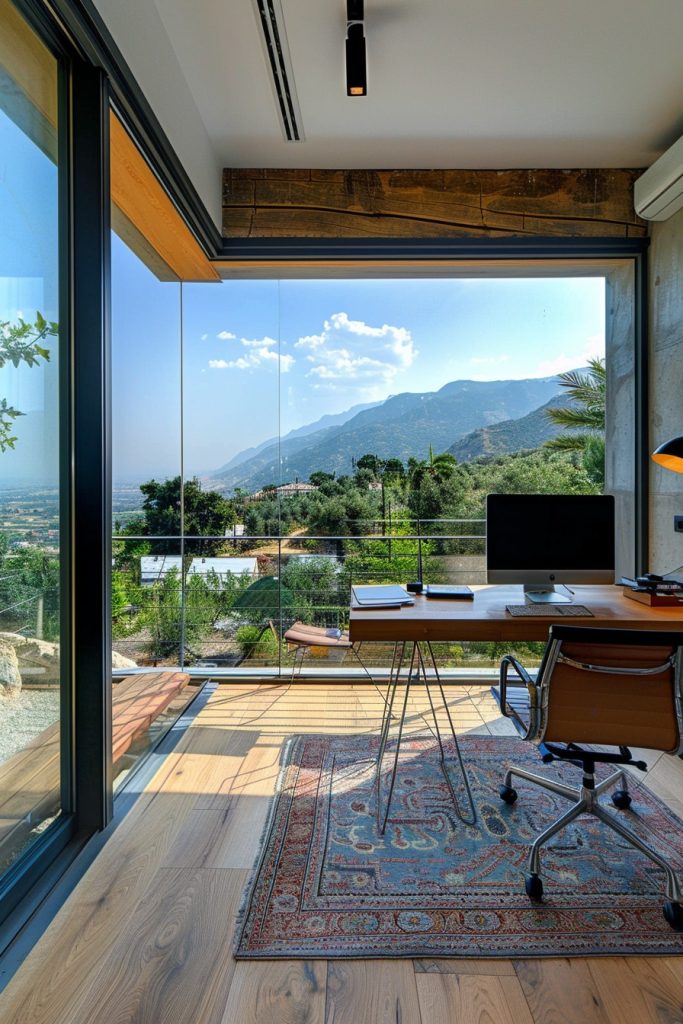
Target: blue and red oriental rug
{"x": 328, "y": 885}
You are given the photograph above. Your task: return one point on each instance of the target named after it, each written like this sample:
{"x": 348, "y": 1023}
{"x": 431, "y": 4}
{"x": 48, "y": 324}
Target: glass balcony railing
{"x": 227, "y": 612}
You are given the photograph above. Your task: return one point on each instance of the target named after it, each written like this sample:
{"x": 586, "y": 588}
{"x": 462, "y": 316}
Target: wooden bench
{"x": 29, "y": 780}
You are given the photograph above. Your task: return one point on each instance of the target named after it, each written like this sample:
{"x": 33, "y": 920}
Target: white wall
{"x": 139, "y": 33}
{"x": 666, "y": 387}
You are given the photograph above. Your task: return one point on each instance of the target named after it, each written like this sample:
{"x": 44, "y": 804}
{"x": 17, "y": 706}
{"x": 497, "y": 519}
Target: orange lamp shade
{"x": 670, "y": 454}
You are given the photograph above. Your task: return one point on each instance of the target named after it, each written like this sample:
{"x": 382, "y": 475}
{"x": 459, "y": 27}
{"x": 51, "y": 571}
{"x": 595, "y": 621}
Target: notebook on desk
{"x": 449, "y": 590}
{"x": 387, "y": 596}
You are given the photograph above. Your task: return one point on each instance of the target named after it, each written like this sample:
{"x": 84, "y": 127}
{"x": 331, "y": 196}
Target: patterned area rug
{"x": 328, "y": 885}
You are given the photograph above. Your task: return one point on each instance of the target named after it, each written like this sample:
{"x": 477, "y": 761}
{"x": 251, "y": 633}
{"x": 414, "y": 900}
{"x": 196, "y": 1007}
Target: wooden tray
{"x": 654, "y": 600}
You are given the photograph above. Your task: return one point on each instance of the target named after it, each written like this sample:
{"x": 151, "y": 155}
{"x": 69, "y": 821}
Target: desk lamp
{"x": 670, "y": 454}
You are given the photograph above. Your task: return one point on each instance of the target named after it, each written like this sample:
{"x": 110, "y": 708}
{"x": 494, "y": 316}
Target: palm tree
{"x": 584, "y": 421}
{"x": 439, "y": 467}
{"x": 442, "y": 466}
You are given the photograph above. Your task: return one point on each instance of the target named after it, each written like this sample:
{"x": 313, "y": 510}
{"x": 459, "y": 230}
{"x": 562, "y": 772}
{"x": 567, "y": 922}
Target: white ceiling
{"x": 452, "y": 83}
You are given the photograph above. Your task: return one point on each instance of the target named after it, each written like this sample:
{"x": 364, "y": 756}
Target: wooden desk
{"x": 485, "y": 617}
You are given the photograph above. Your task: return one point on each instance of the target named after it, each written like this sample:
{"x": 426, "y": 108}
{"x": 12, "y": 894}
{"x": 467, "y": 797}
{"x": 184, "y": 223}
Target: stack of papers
{"x": 388, "y": 596}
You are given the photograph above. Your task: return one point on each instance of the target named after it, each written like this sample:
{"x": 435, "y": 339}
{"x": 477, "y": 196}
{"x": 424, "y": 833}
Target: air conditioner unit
{"x": 658, "y": 193}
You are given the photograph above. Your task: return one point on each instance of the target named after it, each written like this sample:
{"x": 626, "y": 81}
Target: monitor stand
{"x": 537, "y": 593}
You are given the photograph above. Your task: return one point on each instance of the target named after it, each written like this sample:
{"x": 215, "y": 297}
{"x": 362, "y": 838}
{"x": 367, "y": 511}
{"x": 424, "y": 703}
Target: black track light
{"x": 356, "y": 70}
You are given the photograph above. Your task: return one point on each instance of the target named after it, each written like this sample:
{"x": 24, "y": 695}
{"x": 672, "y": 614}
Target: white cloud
{"x": 204, "y": 337}
{"x": 350, "y": 350}
{"x": 253, "y": 359}
{"x": 594, "y": 349}
{"x": 226, "y": 335}
{"x": 258, "y": 342}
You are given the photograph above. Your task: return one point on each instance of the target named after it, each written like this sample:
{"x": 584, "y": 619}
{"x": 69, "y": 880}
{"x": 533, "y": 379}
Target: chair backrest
{"x": 615, "y": 687}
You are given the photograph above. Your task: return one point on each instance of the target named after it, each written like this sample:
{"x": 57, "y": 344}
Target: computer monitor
{"x": 540, "y": 540}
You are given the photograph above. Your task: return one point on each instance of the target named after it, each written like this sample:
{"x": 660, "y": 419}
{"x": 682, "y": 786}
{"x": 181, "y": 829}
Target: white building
{"x": 223, "y": 567}
{"x": 153, "y": 568}
{"x": 237, "y": 530}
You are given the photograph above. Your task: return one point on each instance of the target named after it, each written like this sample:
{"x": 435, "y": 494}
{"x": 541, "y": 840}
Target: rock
{"x": 119, "y": 661}
{"x": 10, "y": 677}
{"x": 38, "y": 660}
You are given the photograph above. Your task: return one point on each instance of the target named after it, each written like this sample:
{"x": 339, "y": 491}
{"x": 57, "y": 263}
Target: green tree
{"x": 161, "y": 617}
{"x": 20, "y": 343}
{"x": 316, "y": 589}
{"x": 207, "y": 513}
{"x": 29, "y": 580}
{"x": 320, "y": 477}
{"x": 584, "y": 420}
{"x": 370, "y": 462}
{"x": 393, "y": 470}
{"x": 432, "y": 484}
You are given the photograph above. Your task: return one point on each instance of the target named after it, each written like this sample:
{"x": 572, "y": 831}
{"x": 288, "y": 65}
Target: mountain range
{"x": 466, "y": 417}
{"x": 530, "y": 431}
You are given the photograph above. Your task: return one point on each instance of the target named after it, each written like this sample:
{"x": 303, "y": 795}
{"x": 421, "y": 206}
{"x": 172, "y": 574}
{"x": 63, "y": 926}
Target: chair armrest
{"x": 509, "y": 663}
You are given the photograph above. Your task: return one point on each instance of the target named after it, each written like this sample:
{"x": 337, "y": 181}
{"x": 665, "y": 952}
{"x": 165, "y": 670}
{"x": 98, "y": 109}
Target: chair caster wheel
{"x": 673, "y": 912}
{"x": 621, "y": 798}
{"x": 508, "y": 794}
{"x": 534, "y": 887}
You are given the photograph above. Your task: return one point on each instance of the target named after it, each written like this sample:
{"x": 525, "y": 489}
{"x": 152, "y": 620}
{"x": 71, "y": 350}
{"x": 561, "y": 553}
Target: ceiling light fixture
{"x": 356, "y": 70}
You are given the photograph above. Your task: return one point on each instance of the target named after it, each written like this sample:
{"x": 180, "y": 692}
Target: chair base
{"x": 586, "y": 802}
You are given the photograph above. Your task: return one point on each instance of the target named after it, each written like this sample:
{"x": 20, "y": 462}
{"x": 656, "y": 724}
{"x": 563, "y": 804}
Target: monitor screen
{"x": 550, "y": 538}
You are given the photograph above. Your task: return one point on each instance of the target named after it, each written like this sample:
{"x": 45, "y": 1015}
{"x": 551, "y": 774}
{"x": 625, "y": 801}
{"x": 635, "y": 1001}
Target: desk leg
{"x": 382, "y": 818}
{"x": 396, "y": 664}
{"x": 418, "y": 672}
{"x": 444, "y": 764}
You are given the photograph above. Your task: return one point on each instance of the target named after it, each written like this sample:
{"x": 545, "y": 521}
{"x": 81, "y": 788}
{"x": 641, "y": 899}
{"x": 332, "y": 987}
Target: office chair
{"x": 611, "y": 687}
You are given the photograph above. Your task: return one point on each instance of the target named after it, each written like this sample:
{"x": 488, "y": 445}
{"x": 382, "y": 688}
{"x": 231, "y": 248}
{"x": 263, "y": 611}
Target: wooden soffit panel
{"x": 28, "y": 80}
{"x": 295, "y": 203}
{"x": 141, "y": 200}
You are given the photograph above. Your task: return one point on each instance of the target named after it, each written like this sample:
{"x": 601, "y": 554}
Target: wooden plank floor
{"x": 146, "y": 935}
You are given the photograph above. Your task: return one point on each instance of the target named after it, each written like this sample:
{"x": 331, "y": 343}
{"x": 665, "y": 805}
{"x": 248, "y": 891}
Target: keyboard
{"x": 549, "y": 611}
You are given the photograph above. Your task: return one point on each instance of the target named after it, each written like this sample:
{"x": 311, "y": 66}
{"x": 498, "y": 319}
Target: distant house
{"x": 284, "y": 491}
{"x": 153, "y": 568}
{"x": 223, "y": 567}
{"x": 236, "y": 530}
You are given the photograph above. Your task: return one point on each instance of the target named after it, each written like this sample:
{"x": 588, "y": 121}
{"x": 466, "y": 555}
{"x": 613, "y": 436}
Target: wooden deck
{"x": 146, "y": 935}
{"x": 29, "y": 781}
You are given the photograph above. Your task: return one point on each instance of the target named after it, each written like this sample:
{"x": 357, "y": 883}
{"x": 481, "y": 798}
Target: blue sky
{"x": 29, "y": 284}
{"x": 261, "y": 357}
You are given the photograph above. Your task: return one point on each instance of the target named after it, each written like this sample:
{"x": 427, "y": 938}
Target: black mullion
{"x": 91, "y": 536}
{"x": 66, "y": 696}
{"x": 416, "y": 249}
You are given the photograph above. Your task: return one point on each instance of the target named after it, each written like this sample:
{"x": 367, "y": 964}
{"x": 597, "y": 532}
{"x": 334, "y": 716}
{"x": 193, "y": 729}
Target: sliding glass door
{"x": 31, "y": 663}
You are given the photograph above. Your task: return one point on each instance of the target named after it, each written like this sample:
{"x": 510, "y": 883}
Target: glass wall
{"x": 30, "y": 620}
{"x": 331, "y": 432}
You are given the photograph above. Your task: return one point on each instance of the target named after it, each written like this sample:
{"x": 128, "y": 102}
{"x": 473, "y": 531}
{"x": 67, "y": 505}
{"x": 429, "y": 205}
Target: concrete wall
{"x": 666, "y": 387}
{"x": 140, "y": 35}
{"x": 619, "y": 447}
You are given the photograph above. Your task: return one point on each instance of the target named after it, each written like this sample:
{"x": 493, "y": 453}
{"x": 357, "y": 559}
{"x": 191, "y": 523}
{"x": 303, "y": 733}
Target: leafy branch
{"x": 21, "y": 343}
